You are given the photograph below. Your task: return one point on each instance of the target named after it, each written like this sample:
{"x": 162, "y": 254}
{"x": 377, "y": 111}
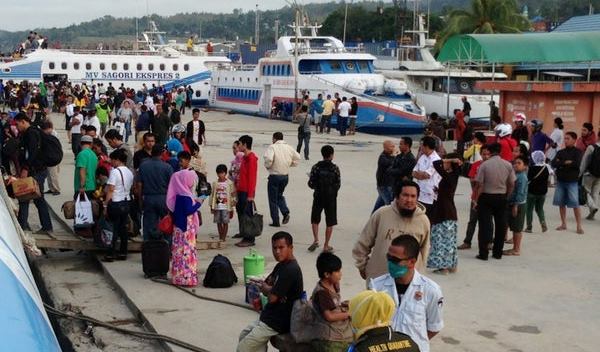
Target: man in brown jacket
{"x": 405, "y": 216}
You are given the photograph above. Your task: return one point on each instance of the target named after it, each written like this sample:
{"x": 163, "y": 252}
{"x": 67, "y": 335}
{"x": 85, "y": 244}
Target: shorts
{"x": 329, "y": 205}
{"x": 516, "y": 223}
{"x": 67, "y": 122}
{"x": 566, "y": 194}
{"x": 221, "y": 217}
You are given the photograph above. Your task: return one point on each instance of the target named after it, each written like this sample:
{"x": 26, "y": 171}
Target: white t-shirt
{"x": 428, "y": 193}
{"x": 76, "y": 128}
{"x": 92, "y": 121}
{"x": 69, "y": 110}
{"x": 344, "y": 108}
{"x": 196, "y": 126}
{"x": 122, "y": 185}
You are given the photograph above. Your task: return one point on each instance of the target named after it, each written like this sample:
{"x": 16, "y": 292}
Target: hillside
{"x": 120, "y": 32}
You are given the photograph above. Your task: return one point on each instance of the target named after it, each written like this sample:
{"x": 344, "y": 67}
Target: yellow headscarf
{"x": 369, "y": 310}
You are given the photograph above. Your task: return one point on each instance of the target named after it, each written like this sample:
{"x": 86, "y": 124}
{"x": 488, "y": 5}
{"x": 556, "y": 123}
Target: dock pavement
{"x": 547, "y": 299}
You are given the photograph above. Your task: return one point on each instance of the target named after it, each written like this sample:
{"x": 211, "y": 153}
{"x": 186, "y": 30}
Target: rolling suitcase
{"x": 155, "y": 258}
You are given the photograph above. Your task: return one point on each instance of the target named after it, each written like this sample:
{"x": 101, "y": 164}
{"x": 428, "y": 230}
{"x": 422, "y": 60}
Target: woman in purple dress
{"x": 184, "y": 206}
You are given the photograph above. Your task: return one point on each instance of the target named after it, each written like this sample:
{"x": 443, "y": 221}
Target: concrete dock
{"x": 545, "y": 300}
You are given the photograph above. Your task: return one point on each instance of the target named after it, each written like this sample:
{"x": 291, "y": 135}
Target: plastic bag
{"x": 84, "y": 214}
{"x": 106, "y": 234}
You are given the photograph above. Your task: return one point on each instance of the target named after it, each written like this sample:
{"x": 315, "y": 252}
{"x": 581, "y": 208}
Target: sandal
{"x": 328, "y": 249}
{"x": 313, "y": 246}
{"x": 580, "y": 232}
{"x": 511, "y": 252}
{"x": 464, "y": 246}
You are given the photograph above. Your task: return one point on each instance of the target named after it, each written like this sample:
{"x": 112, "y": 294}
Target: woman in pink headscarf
{"x": 184, "y": 206}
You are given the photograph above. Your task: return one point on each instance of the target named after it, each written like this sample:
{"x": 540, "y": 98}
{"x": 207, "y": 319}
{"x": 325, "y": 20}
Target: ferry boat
{"x": 23, "y": 322}
{"x": 437, "y": 87}
{"x": 318, "y": 65}
{"x": 160, "y": 64}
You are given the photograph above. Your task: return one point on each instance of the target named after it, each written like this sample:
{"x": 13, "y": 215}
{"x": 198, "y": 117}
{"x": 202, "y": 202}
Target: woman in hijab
{"x": 184, "y": 207}
{"x": 371, "y": 315}
{"x": 537, "y": 175}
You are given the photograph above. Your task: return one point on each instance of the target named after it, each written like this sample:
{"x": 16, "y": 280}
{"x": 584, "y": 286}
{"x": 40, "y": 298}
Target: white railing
{"x": 141, "y": 52}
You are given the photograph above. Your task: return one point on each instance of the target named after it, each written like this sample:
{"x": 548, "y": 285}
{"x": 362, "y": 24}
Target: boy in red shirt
{"x": 246, "y": 187}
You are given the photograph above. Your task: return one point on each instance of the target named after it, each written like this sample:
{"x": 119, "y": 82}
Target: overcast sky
{"x": 28, "y": 14}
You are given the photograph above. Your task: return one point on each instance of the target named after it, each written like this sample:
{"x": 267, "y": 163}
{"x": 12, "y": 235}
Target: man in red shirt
{"x": 246, "y": 186}
{"x": 507, "y": 144}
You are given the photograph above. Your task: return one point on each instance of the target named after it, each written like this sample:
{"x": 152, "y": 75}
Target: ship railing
{"x": 326, "y": 50}
{"x": 238, "y": 67}
{"x": 375, "y": 98}
{"x": 141, "y": 52}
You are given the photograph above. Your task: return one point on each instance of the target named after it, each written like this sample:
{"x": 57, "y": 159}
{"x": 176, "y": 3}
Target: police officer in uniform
{"x": 418, "y": 299}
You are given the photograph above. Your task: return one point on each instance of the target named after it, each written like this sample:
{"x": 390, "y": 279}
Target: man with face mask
{"x": 418, "y": 299}
{"x": 405, "y": 216}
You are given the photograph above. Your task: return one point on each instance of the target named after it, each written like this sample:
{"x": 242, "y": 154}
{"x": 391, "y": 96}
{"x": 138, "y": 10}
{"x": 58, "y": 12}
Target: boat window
{"x": 139, "y": 67}
{"x": 248, "y": 79}
{"x": 198, "y": 94}
{"x": 264, "y": 69}
{"x": 309, "y": 67}
{"x": 51, "y": 65}
{"x": 278, "y": 70}
{"x": 63, "y": 65}
{"x": 268, "y": 70}
{"x": 363, "y": 66}
{"x": 88, "y": 66}
{"x": 113, "y": 66}
{"x": 102, "y": 66}
{"x": 335, "y": 66}
{"x": 76, "y": 65}
{"x": 125, "y": 67}
{"x": 175, "y": 67}
{"x": 161, "y": 67}
{"x": 186, "y": 67}
{"x": 288, "y": 70}
{"x": 150, "y": 67}
{"x": 240, "y": 79}
{"x": 350, "y": 67}
{"x": 256, "y": 79}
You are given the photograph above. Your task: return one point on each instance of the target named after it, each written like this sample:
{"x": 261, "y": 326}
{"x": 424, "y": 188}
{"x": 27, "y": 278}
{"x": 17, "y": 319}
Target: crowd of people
{"x": 413, "y": 226}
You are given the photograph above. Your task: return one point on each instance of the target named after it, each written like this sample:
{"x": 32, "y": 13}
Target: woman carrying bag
{"x": 116, "y": 204}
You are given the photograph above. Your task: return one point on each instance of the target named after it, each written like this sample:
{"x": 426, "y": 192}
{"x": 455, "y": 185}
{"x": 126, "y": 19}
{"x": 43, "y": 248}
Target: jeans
{"x": 127, "y": 131}
{"x": 40, "y": 204}
{"x": 492, "y": 206}
{"x": 155, "y": 208}
{"x": 243, "y": 207}
{"x": 75, "y": 143}
{"x": 342, "y": 124}
{"x": 537, "y": 202}
{"x": 275, "y": 188}
{"x": 304, "y": 137}
{"x": 385, "y": 197}
{"x": 325, "y": 121}
{"x": 473, "y": 214}
{"x": 592, "y": 187}
{"x": 117, "y": 215}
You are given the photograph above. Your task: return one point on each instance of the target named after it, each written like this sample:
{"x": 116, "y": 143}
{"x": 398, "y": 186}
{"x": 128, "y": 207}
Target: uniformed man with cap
{"x": 418, "y": 299}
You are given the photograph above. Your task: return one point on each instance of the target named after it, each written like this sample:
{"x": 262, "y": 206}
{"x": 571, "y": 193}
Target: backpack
{"x": 220, "y": 273}
{"x": 594, "y": 165}
{"x": 50, "y": 153}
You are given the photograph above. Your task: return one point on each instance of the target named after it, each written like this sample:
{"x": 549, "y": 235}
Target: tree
{"x": 485, "y": 17}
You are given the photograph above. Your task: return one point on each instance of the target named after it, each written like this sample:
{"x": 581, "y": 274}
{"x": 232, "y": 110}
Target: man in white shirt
{"x": 92, "y": 120}
{"x": 419, "y": 300}
{"x": 426, "y": 176}
{"x": 344, "y": 111}
{"x": 278, "y": 158}
{"x": 75, "y": 123}
{"x": 68, "y": 115}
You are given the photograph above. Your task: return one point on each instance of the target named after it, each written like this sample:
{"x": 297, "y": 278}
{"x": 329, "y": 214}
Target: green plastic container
{"x": 254, "y": 265}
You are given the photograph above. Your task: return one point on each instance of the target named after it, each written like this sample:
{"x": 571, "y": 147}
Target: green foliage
{"x": 485, "y": 17}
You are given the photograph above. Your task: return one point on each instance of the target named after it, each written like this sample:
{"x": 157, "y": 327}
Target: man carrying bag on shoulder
{"x": 246, "y": 189}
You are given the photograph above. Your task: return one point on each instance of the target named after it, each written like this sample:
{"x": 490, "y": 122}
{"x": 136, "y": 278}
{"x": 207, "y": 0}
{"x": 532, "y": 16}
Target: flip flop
{"x": 511, "y": 252}
{"x": 328, "y": 249}
{"x": 580, "y": 232}
{"x": 313, "y": 246}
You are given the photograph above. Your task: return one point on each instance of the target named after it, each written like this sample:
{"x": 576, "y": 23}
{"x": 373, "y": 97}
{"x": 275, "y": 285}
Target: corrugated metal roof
{"x": 580, "y": 24}
{"x": 522, "y": 48}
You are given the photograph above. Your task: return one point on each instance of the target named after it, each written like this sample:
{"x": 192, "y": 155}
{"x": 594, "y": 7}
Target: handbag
{"x": 68, "y": 209}
{"x": 106, "y": 234}
{"x": 84, "y": 215}
{"x": 26, "y": 189}
{"x": 165, "y": 225}
{"x": 251, "y": 225}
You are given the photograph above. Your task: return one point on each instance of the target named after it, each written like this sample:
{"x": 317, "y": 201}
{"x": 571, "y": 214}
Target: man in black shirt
{"x": 146, "y": 152}
{"x": 403, "y": 164}
{"x": 282, "y": 287}
{"x": 32, "y": 165}
{"x": 385, "y": 162}
{"x": 566, "y": 163}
